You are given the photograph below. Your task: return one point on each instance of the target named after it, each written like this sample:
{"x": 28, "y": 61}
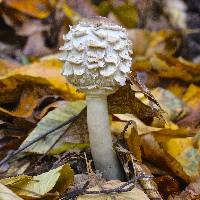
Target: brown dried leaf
{"x": 135, "y": 169}
{"x": 124, "y": 101}
{"x": 191, "y": 192}
{"x": 167, "y": 185}
{"x": 166, "y": 66}
{"x": 147, "y": 43}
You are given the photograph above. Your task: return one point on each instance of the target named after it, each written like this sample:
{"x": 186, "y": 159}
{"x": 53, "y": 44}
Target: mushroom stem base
{"x": 104, "y": 157}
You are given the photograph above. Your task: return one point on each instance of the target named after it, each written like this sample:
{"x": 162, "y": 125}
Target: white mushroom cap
{"x": 96, "y": 54}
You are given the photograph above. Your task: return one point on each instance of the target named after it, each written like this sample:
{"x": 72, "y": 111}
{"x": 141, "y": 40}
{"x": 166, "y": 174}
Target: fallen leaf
{"x": 45, "y": 73}
{"x": 167, "y": 185}
{"x": 13, "y": 17}
{"x": 192, "y": 100}
{"x": 140, "y": 38}
{"x": 169, "y": 67}
{"x": 6, "y": 66}
{"x": 165, "y": 42}
{"x": 191, "y": 192}
{"x": 124, "y": 101}
{"x": 7, "y": 194}
{"x": 164, "y": 157}
{"x": 183, "y": 151}
{"x": 46, "y": 104}
{"x": 26, "y": 186}
{"x": 117, "y": 126}
{"x": 176, "y": 11}
{"x": 133, "y": 169}
{"x": 37, "y": 8}
{"x": 52, "y": 120}
{"x": 173, "y": 106}
{"x": 148, "y": 43}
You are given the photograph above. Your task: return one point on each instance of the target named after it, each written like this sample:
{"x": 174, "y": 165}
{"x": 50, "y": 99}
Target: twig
{"x": 37, "y": 139}
{"x": 126, "y": 128}
{"x": 81, "y": 191}
{"x": 76, "y": 192}
{"x": 115, "y": 190}
{"x": 51, "y": 147}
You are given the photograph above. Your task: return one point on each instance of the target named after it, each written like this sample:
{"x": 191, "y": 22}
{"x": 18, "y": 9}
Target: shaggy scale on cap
{"x": 96, "y": 54}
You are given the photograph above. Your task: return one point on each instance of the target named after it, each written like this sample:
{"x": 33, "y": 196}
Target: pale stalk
{"x": 105, "y": 158}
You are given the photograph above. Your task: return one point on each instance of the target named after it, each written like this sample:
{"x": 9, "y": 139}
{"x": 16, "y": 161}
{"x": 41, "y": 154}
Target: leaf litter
{"x": 157, "y": 129}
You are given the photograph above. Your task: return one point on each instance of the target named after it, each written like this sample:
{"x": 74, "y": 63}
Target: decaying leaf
{"x": 166, "y": 66}
{"x": 40, "y": 185}
{"x": 36, "y": 8}
{"x": 191, "y": 98}
{"x": 52, "y": 120}
{"x": 124, "y": 101}
{"x": 191, "y": 192}
{"x": 6, "y": 66}
{"x": 134, "y": 170}
{"x": 7, "y": 194}
{"x": 184, "y": 152}
{"x": 148, "y": 43}
{"x": 173, "y": 106}
{"x": 177, "y": 159}
{"x": 167, "y": 185}
{"x": 165, "y": 42}
{"x": 83, "y": 7}
{"x": 45, "y": 73}
{"x": 117, "y": 126}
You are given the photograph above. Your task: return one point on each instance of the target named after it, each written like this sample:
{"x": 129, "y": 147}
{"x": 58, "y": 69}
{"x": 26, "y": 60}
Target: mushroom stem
{"x": 105, "y": 158}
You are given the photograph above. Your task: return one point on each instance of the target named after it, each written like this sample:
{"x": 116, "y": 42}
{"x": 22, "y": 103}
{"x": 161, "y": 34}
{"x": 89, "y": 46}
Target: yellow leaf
{"x": 164, "y": 41}
{"x": 45, "y": 72}
{"x": 39, "y": 185}
{"x": 117, "y": 127}
{"x": 154, "y": 152}
{"x": 6, "y": 66}
{"x": 183, "y": 151}
{"x": 15, "y": 180}
{"x": 192, "y": 100}
{"x": 37, "y": 8}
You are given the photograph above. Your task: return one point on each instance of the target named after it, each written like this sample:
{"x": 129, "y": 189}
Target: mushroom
{"x": 97, "y": 61}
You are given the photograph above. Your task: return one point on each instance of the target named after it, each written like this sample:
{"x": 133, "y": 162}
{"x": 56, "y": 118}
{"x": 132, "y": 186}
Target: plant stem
{"x": 104, "y": 156}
